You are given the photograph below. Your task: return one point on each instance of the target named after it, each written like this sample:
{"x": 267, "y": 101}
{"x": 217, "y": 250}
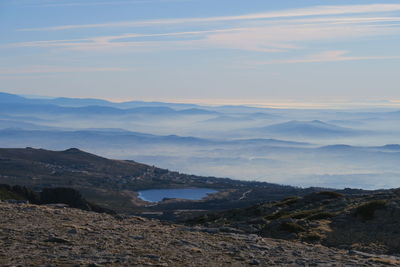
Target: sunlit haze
{"x": 219, "y": 52}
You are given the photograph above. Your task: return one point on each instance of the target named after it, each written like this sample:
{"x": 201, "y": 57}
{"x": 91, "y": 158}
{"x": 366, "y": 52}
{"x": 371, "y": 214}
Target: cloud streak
{"x": 72, "y": 3}
{"x": 58, "y": 69}
{"x": 281, "y": 36}
{"x": 327, "y": 56}
{"x": 111, "y": 39}
{"x": 293, "y": 13}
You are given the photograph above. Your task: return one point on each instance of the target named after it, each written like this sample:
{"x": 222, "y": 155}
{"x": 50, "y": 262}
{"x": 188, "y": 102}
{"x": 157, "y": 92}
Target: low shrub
{"x": 302, "y": 214}
{"x": 330, "y": 194}
{"x": 277, "y": 215}
{"x": 292, "y": 227}
{"x": 367, "y": 210}
{"x": 312, "y": 237}
{"x": 321, "y": 215}
{"x": 287, "y": 201}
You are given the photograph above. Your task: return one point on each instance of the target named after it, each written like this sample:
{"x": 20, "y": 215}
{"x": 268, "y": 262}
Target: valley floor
{"x": 50, "y": 235}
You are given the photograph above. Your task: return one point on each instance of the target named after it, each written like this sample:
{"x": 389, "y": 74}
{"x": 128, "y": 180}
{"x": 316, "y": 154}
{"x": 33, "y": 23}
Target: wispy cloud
{"x": 268, "y": 32}
{"x": 111, "y": 40}
{"x": 295, "y": 36}
{"x": 83, "y": 3}
{"x": 327, "y": 56}
{"x": 278, "y": 36}
{"x": 293, "y": 13}
{"x": 58, "y": 69}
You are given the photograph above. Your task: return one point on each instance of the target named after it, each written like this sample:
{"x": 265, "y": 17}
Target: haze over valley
{"x": 334, "y": 148}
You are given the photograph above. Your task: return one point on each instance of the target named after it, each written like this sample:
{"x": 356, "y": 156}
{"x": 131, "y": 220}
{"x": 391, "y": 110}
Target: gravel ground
{"x": 33, "y": 235}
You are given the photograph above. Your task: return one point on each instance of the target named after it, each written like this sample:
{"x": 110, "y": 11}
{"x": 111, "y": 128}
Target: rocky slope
{"x": 32, "y": 235}
{"x": 365, "y": 222}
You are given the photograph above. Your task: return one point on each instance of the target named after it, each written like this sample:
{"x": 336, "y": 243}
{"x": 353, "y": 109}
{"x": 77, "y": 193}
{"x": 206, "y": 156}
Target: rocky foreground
{"x": 52, "y": 235}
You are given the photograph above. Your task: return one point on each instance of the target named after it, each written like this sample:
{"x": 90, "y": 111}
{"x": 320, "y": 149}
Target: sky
{"x": 202, "y": 51}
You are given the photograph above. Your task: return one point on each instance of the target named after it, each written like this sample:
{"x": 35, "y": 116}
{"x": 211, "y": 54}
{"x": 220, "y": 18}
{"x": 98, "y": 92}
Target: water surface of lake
{"x": 155, "y": 195}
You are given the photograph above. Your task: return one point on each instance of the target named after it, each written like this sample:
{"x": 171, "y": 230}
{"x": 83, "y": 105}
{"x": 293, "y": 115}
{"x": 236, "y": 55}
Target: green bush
{"x": 5, "y": 194}
{"x": 367, "y": 210}
{"x": 18, "y": 193}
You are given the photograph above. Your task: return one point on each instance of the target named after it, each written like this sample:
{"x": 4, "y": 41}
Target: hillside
{"x": 113, "y": 184}
{"x": 51, "y": 236}
{"x": 313, "y": 128}
{"x": 364, "y": 222}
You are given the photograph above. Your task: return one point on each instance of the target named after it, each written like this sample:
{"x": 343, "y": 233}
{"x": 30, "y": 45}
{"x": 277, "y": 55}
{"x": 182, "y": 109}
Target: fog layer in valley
{"x": 326, "y": 148}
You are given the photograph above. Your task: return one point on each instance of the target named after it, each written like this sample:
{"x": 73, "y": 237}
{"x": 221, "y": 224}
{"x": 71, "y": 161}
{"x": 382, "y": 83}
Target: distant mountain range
{"x": 15, "y": 124}
{"x": 59, "y": 139}
{"x": 243, "y": 117}
{"x": 282, "y": 145}
{"x": 14, "y": 104}
{"x": 51, "y": 109}
{"x": 28, "y": 134}
{"x": 315, "y": 128}
{"x": 83, "y": 102}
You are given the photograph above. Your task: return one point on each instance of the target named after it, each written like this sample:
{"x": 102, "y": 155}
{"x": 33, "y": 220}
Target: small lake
{"x": 155, "y": 195}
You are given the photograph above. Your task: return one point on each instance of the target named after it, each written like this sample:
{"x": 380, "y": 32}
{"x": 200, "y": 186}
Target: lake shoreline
{"x": 188, "y": 194}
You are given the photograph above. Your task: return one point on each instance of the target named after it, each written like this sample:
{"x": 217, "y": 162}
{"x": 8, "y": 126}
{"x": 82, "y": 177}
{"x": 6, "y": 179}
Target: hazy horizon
{"x": 202, "y": 51}
{"x": 289, "y": 104}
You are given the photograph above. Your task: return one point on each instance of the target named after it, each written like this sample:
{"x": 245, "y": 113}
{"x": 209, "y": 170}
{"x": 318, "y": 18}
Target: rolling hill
{"x": 82, "y": 102}
{"x": 313, "y": 129}
{"x": 113, "y": 183}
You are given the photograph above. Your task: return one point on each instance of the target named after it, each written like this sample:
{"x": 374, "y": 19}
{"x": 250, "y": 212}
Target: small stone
{"x": 72, "y": 231}
{"x": 137, "y": 237}
{"x": 254, "y": 262}
{"x": 152, "y": 256}
{"x": 57, "y": 240}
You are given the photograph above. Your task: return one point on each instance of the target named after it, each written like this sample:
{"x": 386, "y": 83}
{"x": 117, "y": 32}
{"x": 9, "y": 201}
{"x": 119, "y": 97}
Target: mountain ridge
{"x": 314, "y": 128}
{"x": 113, "y": 184}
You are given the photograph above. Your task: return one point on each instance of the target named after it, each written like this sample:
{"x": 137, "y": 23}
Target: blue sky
{"x": 219, "y": 51}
